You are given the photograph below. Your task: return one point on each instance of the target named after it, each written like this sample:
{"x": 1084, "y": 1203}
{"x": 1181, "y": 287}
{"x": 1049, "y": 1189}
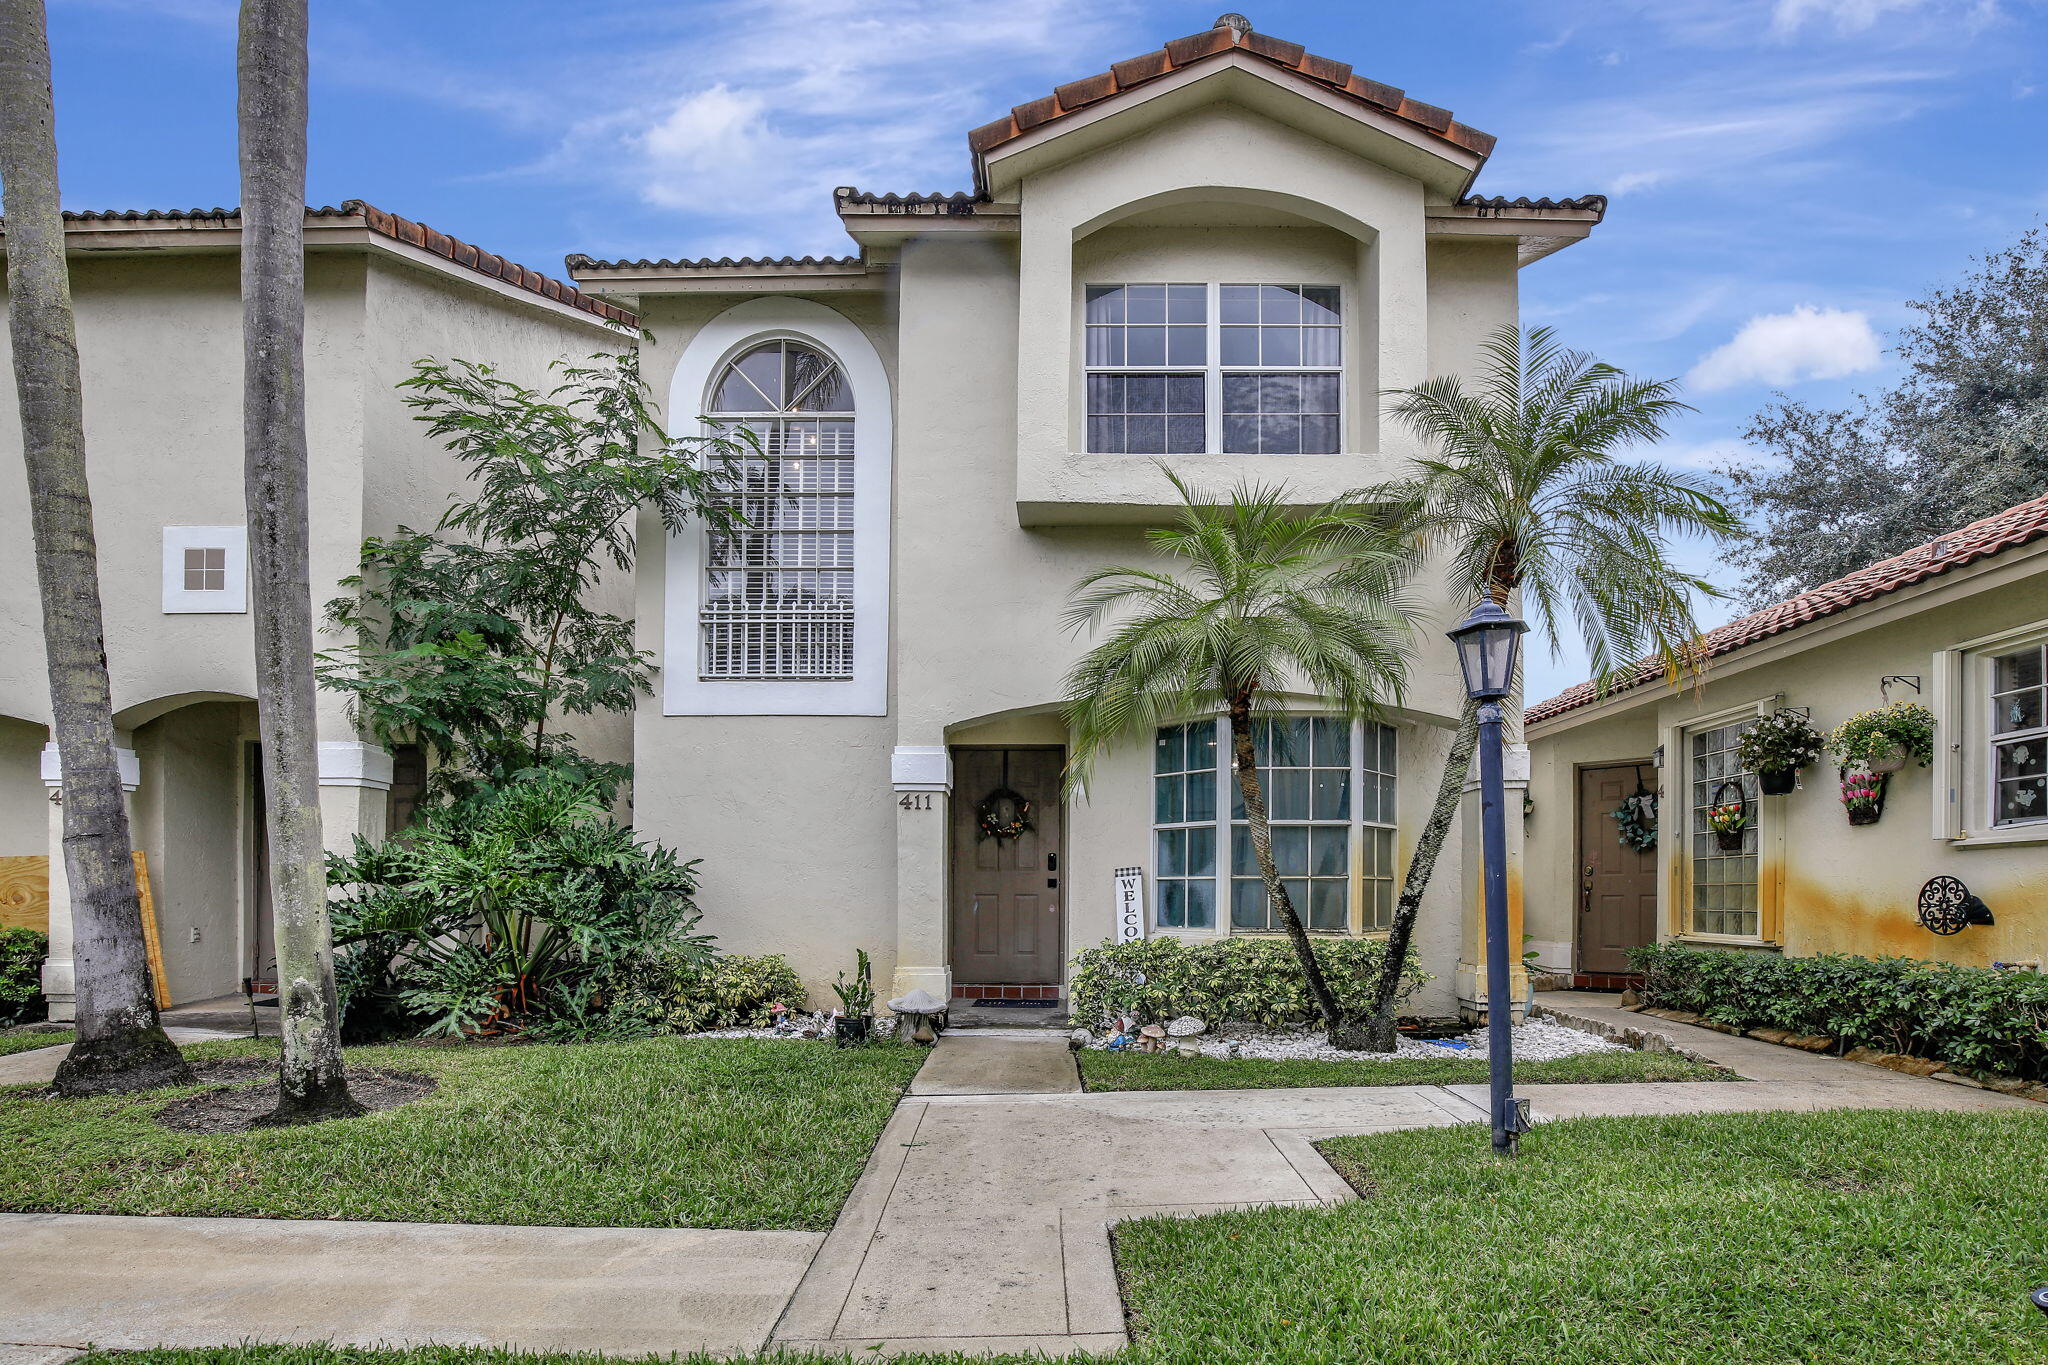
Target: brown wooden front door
{"x": 1617, "y": 885}
{"x": 1007, "y": 893}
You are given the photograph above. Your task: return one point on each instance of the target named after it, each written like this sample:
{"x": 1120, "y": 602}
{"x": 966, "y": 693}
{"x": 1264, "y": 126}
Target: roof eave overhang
{"x": 1236, "y": 77}
{"x": 714, "y": 279}
{"x": 215, "y": 236}
{"x": 1989, "y": 574}
{"x": 1537, "y": 233}
{"x": 881, "y": 224}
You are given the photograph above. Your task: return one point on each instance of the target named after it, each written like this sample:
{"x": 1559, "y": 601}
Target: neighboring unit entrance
{"x": 1617, "y": 884}
{"x": 1006, "y": 892}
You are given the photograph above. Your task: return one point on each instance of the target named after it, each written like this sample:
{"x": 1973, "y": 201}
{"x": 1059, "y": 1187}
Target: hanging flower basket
{"x": 1728, "y": 818}
{"x": 1776, "y": 747}
{"x": 1863, "y": 795}
{"x": 1884, "y": 762}
{"x": 1777, "y": 781}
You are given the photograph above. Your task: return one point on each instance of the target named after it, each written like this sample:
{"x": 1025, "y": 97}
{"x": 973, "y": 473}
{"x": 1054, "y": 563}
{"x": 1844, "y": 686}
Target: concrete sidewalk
{"x": 982, "y": 1222}
{"x": 72, "y": 1280}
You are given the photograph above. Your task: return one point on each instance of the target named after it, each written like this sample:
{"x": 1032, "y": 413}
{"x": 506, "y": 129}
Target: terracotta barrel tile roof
{"x": 577, "y": 261}
{"x": 398, "y": 229}
{"x": 1979, "y": 540}
{"x": 1585, "y": 203}
{"x": 1230, "y": 33}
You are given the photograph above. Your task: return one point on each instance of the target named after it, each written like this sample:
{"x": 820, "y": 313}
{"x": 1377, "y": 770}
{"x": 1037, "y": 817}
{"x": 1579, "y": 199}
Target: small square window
{"x": 206, "y": 568}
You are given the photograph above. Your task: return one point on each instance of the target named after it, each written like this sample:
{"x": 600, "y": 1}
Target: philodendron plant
{"x": 1887, "y": 738}
{"x": 1777, "y": 747}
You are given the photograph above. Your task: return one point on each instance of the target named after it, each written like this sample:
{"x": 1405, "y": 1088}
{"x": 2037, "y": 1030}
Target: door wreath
{"x": 1003, "y": 813}
{"x": 1637, "y": 817}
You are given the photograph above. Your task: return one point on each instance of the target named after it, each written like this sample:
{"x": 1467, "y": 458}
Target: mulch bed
{"x": 234, "y": 1106}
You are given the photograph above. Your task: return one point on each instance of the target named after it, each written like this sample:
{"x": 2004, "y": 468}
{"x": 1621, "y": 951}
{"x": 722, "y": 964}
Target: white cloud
{"x": 1784, "y": 348}
{"x": 1856, "y": 16}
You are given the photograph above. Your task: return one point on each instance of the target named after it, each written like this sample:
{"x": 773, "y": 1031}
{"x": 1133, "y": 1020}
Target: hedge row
{"x": 1257, "y": 980}
{"x": 1970, "y": 1018}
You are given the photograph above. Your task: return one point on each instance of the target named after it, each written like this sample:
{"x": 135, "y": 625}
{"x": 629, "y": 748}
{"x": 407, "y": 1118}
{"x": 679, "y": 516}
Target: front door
{"x": 1006, "y": 886}
{"x": 1617, "y": 884}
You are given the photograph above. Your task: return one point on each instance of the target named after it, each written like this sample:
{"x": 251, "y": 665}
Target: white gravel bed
{"x": 1538, "y": 1040}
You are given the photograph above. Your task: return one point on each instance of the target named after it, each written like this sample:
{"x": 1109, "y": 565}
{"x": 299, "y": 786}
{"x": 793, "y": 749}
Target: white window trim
{"x": 231, "y": 600}
{"x": 867, "y": 692}
{"x": 1965, "y": 771}
{"x": 1212, "y": 372}
{"x": 1224, "y": 824}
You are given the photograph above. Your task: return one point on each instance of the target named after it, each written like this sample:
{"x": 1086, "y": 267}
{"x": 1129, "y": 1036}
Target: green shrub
{"x": 21, "y": 973}
{"x": 680, "y": 992}
{"x": 499, "y": 913}
{"x": 1970, "y": 1018}
{"x": 1257, "y": 980}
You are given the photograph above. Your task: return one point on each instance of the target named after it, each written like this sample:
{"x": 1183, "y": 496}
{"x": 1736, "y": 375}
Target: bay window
{"x": 1329, "y": 787}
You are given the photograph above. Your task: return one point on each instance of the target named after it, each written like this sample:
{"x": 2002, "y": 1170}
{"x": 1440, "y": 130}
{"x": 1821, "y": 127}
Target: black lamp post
{"x": 1488, "y": 640}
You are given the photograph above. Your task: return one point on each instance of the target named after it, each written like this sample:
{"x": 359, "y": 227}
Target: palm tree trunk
{"x": 1381, "y": 1025}
{"x": 271, "y": 113}
{"x": 1244, "y": 762}
{"x": 121, "y": 1044}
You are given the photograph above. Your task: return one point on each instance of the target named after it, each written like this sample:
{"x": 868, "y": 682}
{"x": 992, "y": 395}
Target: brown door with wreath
{"x": 1006, "y": 880}
{"x": 1617, "y": 884}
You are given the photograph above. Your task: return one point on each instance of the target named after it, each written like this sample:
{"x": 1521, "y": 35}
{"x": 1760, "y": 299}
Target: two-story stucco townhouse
{"x": 158, "y": 299}
{"x": 1215, "y": 255}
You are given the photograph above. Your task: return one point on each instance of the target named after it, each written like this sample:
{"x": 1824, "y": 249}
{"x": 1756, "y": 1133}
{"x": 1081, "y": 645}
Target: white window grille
{"x": 1329, "y": 786}
{"x": 2019, "y": 736}
{"x": 1242, "y": 369}
{"x": 778, "y": 588}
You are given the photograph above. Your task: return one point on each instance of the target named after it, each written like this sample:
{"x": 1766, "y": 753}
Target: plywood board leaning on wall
{"x": 25, "y": 893}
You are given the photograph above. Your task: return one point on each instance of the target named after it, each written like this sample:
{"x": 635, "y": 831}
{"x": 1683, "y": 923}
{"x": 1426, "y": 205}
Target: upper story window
{"x": 1329, "y": 787}
{"x": 1179, "y": 369}
{"x": 205, "y": 570}
{"x": 2019, "y": 736}
{"x": 778, "y": 597}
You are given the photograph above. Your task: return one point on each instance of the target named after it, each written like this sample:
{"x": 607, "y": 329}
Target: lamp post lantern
{"x": 1488, "y": 641}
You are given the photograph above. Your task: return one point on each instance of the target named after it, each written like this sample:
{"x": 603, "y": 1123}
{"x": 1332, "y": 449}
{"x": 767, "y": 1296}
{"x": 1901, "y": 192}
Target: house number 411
{"x": 915, "y": 801}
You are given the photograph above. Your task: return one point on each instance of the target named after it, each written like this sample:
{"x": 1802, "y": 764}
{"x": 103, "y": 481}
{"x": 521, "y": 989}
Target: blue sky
{"x": 1785, "y": 174}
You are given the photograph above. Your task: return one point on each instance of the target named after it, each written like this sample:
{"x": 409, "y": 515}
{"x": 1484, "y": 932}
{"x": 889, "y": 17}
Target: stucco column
{"x": 354, "y": 778}
{"x": 923, "y": 779}
{"x": 1472, "y": 958}
{"x": 60, "y": 969}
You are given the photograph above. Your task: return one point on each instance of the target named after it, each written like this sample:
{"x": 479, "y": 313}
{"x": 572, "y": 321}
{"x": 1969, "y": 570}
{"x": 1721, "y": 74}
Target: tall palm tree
{"x": 1269, "y": 598}
{"x": 121, "y": 1043}
{"x": 270, "y": 72}
{"x": 1526, "y": 496}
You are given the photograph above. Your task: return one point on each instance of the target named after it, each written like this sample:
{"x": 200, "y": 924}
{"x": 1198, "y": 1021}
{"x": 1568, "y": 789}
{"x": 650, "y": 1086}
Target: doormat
{"x": 1016, "y": 1004}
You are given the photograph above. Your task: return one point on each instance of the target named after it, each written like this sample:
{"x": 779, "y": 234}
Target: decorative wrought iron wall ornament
{"x": 1947, "y": 907}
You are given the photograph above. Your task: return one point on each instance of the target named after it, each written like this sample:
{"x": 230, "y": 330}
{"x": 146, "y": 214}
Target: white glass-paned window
{"x": 778, "y": 588}
{"x": 2019, "y": 736}
{"x": 206, "y": 568}
{"x": 1724, "y": 879}
{"x": 1190, "y": 368}
{"x": 1184, "y": 820}
{"x": 1329, "y": 788}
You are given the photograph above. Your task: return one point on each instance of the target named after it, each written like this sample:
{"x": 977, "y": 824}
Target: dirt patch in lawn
{"x": 233, "y": 1106}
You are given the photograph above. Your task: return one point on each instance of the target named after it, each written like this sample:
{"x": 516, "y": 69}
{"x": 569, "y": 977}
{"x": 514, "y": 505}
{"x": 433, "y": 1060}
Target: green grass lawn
{"x": 712, "y": 1133}
{"x": 28, "y": 1040}
{"x": 1843, "y": 1238}
{"x": 1142, "y": 1071}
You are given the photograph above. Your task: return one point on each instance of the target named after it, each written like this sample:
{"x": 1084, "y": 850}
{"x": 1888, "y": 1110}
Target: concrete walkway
{"x": 69, "y": 1280}
{"x": 982, "y": 1222}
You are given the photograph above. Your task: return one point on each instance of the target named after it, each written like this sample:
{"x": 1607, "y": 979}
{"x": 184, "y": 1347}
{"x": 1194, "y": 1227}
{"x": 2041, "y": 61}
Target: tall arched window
{"x": 778, "y": 598}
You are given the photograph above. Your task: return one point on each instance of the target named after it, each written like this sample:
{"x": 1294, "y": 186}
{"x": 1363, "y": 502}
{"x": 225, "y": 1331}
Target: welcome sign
{"x": 1130, "y": 904}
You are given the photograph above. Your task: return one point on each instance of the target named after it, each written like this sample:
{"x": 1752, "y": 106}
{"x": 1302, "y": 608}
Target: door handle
{"x": 1586, "y": 892}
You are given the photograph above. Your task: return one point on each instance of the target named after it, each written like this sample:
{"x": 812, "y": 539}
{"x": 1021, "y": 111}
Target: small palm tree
{"x": 1270, "y": 597}
{"x": 1526, "y": 496}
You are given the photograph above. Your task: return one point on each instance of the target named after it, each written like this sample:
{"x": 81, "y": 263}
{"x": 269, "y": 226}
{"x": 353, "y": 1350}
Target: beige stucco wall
{"x": 161, "y": 353}
{"x": 1843, "y": 888}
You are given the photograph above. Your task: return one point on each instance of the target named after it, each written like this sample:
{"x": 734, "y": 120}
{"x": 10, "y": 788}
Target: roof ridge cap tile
{"x": 1179, "y": 53}
{"x": 2016, "y": 525}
